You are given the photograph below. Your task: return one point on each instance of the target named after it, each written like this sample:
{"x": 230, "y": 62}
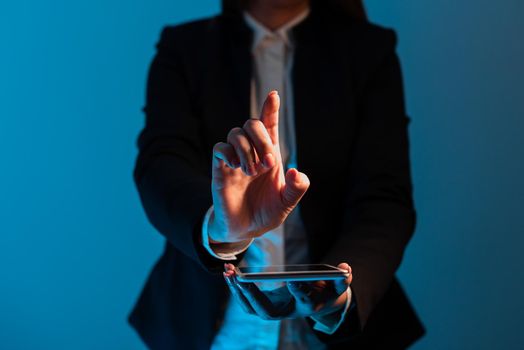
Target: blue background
{"x": 75, "y": 246}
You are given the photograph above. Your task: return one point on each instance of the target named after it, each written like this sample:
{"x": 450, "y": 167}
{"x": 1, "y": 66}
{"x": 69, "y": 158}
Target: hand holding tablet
{"x": 309, "y": 290}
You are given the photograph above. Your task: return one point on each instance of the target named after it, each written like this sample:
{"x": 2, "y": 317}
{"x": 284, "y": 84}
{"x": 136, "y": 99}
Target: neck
{"x": 274, "y": 14}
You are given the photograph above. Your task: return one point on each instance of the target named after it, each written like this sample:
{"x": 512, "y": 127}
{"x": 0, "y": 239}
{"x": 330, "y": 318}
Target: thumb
{"x": 296, "y": 186}
{"x": 342, "y": 284}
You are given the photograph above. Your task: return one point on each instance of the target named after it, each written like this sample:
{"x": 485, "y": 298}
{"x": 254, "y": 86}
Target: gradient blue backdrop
{"x": 75, "y": 246}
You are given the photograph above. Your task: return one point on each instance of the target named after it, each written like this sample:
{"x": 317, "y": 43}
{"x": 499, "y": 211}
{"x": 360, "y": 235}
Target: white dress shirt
{"x": 273, "y": 59}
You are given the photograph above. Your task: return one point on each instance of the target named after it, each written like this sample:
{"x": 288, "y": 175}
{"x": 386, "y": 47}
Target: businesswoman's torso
{"x": 335, "y": 59}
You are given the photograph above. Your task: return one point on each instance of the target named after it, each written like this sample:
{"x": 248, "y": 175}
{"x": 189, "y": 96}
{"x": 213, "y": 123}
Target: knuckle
{"x": 267, "y": 148}
{"x": 240, "y": 151}
{"x": 251, "y": 123}
{"x": 234, "y": 132}
{"x": 289, "y": 202}
{"x": 218, "y": 146}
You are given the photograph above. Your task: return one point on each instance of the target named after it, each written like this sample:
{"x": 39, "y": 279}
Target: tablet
{"x": 287, "y": 273}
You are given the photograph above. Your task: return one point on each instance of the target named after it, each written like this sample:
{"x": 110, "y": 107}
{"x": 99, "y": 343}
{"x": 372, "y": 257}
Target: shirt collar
{"x": 260, "y": 31}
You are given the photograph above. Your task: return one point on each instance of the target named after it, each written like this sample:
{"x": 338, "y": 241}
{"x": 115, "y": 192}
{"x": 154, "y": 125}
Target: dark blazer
{"x": 351, "y": 134}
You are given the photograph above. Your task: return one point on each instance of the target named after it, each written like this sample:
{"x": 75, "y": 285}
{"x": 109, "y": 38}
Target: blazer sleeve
{"x": 171, "y": 172}
{"x": 379, "y": 216}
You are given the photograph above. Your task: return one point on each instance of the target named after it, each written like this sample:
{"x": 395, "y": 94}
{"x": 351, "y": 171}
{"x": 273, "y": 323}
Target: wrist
{"x": 223, "y": 251}
{"x": 212, "y": 231}
{"x": 218, "y": 235}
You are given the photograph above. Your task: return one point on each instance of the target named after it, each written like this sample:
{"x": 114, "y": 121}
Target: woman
{"x": 222, "y": 186}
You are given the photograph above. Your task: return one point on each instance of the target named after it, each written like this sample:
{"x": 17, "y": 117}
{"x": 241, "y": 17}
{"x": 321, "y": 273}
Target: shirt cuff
{"x": 223, "y": 251}
{"x": 329, "y": 325}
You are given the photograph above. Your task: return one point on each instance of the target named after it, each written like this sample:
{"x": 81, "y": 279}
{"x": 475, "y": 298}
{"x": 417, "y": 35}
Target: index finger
{"x": 269, "y": 115}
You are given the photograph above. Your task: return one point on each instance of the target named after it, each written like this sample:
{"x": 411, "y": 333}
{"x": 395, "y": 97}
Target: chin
{"x": 285, "y": 3}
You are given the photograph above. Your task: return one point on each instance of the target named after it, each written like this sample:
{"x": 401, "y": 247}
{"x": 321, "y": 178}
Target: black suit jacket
{"x": 351, "y": 134}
